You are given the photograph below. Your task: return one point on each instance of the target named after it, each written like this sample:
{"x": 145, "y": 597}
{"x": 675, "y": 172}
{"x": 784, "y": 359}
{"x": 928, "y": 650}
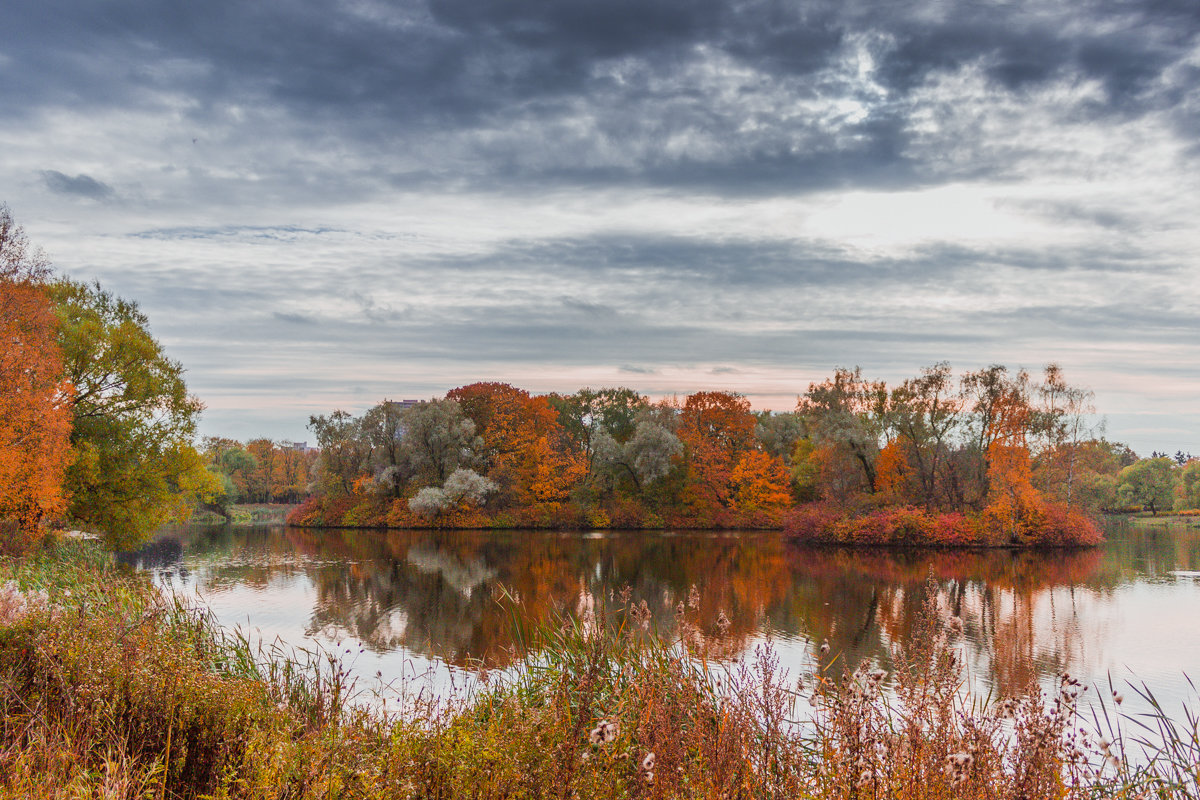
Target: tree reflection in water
{"x": 465, "y": 597}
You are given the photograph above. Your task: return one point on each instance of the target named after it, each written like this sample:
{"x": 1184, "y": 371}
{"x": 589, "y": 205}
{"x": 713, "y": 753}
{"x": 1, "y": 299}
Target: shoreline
{"x": 815, "y": 542}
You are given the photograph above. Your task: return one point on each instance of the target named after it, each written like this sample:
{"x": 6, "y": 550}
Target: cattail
{"x": 603, "y": 733}
{"x": 723, "y": 622}
{"x": 958, "y": 765}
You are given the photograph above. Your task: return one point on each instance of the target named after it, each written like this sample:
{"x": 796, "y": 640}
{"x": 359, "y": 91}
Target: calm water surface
{"x": 419, "y": 603}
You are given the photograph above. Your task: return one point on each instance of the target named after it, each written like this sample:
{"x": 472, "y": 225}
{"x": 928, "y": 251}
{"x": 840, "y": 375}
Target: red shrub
{"x": 626, "y": 514}
{"x": 307, "y": 513}
{"x": 812, "y": 522}
{"x": 1066, "y": 527}
{"x": 956, "y": 528}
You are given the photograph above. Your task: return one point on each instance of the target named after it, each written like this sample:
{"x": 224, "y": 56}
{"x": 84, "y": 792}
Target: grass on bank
{"x": 109, "y": 689}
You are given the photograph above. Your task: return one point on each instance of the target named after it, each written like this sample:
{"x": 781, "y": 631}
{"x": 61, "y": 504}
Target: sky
{"x": 320, "y": 205}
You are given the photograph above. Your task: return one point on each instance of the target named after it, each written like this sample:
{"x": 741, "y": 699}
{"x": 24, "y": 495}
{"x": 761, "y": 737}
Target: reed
{"x": 110, "y": 689}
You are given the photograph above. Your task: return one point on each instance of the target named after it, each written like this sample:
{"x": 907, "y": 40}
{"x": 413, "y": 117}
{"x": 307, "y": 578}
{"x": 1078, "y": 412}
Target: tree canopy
{"x": 35, "y": 397}
{"x": 133, "y": 419}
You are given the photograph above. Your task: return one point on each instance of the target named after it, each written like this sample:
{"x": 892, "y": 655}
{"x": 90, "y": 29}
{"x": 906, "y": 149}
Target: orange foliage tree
{"x": 717, "y": 428}
{"x": 520, "y": 433}
{"x": 760, "y": 481}
{"x": 1014, "y": 506}
{"x": 892, "y": 472}
{"x": 35, "y": 416}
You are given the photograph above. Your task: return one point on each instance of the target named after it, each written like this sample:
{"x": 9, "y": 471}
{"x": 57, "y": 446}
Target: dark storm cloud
{"x": 80, "y": 185}
{"x": 313, "y": 193}
{"x": 640, "y": 71}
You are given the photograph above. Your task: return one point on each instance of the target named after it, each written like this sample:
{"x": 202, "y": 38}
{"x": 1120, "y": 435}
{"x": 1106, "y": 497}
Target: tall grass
{"x": 109, "y": 689}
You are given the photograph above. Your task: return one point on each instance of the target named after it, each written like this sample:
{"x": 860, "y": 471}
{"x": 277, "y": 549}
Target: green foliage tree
{"x": 1150, "y": 483}
{"x": 806, "y": 479}
{"x": 133, "y": 419}
{"x": 345, "y": 452}
{"x": 777, "y": 433}
{"x": 436, "y": 439}
{"x": 380, "y": 428}
{"x": 588, "y": 413}
{"x": 1189, "y": 486}
{"x": 924, "y": 412}
{"x": 645, "y": 457}
{"x": 234, "y": 465}
{"x": 847, "y": 412}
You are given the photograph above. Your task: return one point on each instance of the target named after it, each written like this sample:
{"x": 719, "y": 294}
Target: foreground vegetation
{"x": 109, "y": 689}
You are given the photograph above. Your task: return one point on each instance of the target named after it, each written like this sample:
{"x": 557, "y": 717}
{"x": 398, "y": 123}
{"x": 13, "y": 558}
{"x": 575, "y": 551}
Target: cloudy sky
{"x": 321, "y": 204}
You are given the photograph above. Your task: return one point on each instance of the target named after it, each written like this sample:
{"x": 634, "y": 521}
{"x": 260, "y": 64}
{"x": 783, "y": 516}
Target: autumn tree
{"x": 591, "y": 412}
{"x": 1001, "y": 427}
{"x": 760, "y": 482}
{"x": 847, "y": 413}
{"x": 35, "y": 419}
{"x": 293, "y": 471}
{"x": 999, "y": 419}
{"x": 647, "y": 456}
{"x": 521, "y": 448}
{"x": 1063, "y": 423}
{"x": 133, "y": 419}
{"x": 778, "y": 432}
{"x": 716, "y": 428}
{"x": 261, "y": 484}
{"x": 923, "y": 413}
{"x": 345, "y": 453}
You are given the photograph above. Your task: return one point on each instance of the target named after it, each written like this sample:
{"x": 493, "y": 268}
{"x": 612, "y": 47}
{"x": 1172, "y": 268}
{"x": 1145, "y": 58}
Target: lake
{"x": 431, "y": 605}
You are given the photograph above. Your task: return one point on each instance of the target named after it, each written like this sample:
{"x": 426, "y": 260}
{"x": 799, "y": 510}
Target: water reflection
{"x": 438, "y": 595}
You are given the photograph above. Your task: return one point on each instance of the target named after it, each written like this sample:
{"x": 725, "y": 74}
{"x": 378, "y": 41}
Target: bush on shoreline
{"x": 1051, "y": 526}
{"x": 109, "y": 689}
{"x": 822, "y": 522}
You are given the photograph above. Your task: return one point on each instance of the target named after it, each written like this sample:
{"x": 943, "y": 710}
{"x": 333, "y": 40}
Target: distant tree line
{"x": 259, "y": 471}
